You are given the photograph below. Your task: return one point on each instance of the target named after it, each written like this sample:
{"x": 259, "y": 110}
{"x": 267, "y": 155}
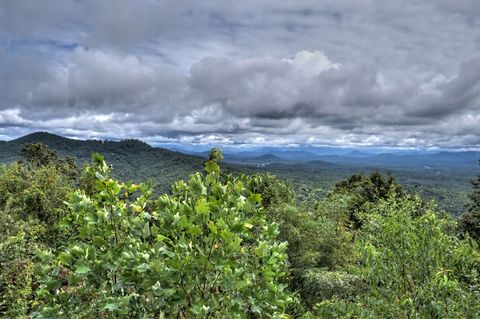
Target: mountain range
{"x": 443, "y": 175}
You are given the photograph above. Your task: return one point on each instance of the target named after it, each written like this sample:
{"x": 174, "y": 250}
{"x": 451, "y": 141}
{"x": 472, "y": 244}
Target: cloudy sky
{"x": 253, "y": 72}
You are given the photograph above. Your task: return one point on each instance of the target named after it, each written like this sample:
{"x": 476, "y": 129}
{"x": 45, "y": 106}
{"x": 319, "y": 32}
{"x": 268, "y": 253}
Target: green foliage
{"x": 32, "y": 195}
{"x": 275, "y": 193}
{"x": 370, "y": 188}
{"x": 445, "y": 181}
{"x": 299, "y": 226}
{"x": 38, "y": 154}
{"x": 319, "y": 284}
{"x": 413, "y": 267}
{"x": 320, "y": 245}
{"x": 475, "y": 195}
{"x": 205, "y": 251}
{"x": 37, "y": 186}
{"x": 469, "y": 224}
{"x": 215, "y": 245}
{"x": 18, "y": 245}
{"x": 366, "y": 189}
{"x": 470, "y": 221}
{"x": 318, "y": 239}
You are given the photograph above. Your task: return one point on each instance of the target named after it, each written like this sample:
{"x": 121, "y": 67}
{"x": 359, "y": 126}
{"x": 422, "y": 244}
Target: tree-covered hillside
{"x": 78, "y": 243}
{"x": 131, "y": 159}
{"x": 447, "y": 182}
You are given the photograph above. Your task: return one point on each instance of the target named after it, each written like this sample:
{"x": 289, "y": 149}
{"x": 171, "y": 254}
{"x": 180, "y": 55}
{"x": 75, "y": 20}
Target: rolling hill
{"x": 443, "y": 176}
{"x": 131, "y": 159}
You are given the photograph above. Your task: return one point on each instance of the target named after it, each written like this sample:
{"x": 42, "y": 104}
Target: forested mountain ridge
{"x": 443, "y": 176}
{"x": 131, "y": 159}
{"x": 82, "y": 149}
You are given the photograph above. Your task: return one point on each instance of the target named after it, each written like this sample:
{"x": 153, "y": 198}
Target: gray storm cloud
{"x": 368, "y": 72}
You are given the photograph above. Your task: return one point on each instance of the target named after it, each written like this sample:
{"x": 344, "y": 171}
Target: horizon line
{"x": 251, "y": 146}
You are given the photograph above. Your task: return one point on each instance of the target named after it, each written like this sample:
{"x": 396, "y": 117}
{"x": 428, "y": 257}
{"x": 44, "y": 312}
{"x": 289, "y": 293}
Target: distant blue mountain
{"x": 443, "y": 175}
{"x": 372, "y": 157}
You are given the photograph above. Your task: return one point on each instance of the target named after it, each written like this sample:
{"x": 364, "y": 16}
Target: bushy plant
{"x": 319, "y": 241}
{"x": 206, "y": 251}
{"x": 18, "y": 245}
{"x": 469, "y": 222}
{"x": 413, "y": 267}
{"x": 363, "y": 189}
{"x": 32, "y": 194}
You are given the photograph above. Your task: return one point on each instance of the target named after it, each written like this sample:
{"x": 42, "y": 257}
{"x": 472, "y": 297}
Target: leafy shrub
{"x": 317, "y": 235}
{"x": 18, "y": 245}
{"x": 413, "y": 267}
{"x": 319, "y": 284}
{"x": 205, "y": 251}
{"x": 32, "y": 194}
{"x": 470, "y": 221}
{"x": 364, "y": 189}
